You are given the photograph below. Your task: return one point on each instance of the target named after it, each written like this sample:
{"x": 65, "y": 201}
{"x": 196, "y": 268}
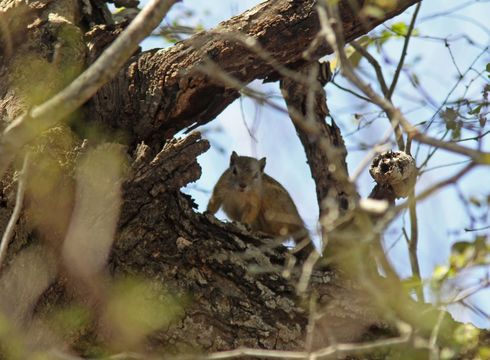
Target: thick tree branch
{"x": 172, "y": 94}
{"x": 323, "y": 143}
{"x": 22, "y": 130}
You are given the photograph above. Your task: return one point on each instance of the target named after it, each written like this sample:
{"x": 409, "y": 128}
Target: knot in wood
{"x": 396, "y": 169}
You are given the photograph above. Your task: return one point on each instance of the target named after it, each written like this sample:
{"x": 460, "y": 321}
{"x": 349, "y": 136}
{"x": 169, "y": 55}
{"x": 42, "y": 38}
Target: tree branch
{"x": 404, "y": 52}
{"x": 21, "y": 131}
{"x": 174, "y": 94}
{"x": 19, "y": 201}
{"x": 336, "y": 39}
{"x": 412, "y": 248}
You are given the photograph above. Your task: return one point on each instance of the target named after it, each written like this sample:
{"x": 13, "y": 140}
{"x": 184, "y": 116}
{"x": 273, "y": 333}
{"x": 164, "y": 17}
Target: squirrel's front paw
{"x": 242, "y": 226}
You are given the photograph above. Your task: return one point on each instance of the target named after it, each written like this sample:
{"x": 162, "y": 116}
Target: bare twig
{"x": 412, "y": 247}
{"x": 384, "y": 90}
{"x": 375, "y": 64}
{"x": 253, "y": 45}
{"x": 426, "y": 193}
{"x": 434, "y": 351}
{"x": 470, "y": 291}
{"x": 404, "y": 52}
{"x": 212, "y": 69}
{"x": 19, "y": 200}
{"x": 477, "y": 229}
{"x": 324, "y": 353}
{"x": 334, "y": 38}
{"x": 20, "y": 131}
{"x": 310, "y": 328}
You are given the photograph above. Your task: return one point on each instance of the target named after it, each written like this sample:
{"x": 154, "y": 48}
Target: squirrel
{"x": 252, "y": 197}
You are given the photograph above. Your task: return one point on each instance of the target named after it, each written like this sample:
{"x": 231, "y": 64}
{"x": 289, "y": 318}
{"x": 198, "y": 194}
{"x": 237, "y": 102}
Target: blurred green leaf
{"x": 70, "y": 320}
{"x": 484, "y": 352}
{"x": 400, "y": 28}
{"x": 452, "y": 121}
{"x": 138, "y": 307}
{"x": 440, "y": 272}
{"x": 467, "y": 335}
{"x": 373, "y": 11}
{"x": 447, "y": 354}
{"x": 476, "y": 110}
{"x": 460, "y": 247}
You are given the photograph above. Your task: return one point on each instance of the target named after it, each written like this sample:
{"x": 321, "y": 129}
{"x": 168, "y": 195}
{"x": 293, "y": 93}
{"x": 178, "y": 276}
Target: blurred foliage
{"x": 378, "y": 8}
{"x": 464, "y": 255}
{"x": 395, "y": 31}
{"x": 137, "y": 307}
{"x": 70, "y": 322}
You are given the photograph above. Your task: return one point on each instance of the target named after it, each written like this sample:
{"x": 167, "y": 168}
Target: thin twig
{"x": 334, "y": 38}
{"x": 375, "y": 64}
{"x": 404, "y": 52}
{"x": 20, "y": 131}
{"x": 384, "y": 90}
{"x": 252, "y": 44}
{"x": 468, "y": 292}
{"x": 19, "y": 200}
{"x": 350, "y": 91}
{"x": 412, "y": 247}
{"x": 434, "y": 351}
{"x": 310, "y": 328}
{"x": 324, "y": 353}
{"x": 426, "y": 193}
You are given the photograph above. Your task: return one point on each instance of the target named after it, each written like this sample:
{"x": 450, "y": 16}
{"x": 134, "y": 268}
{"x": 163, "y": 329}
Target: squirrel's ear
{"x": 233, "y": 158}
{"x": 262, "y": 164}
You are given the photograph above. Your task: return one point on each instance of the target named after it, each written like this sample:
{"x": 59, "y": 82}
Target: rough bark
{"x": 172, "y": 93}
{"x": 323, "y": 143}
{"x": 395, "y": 174}
{"x": 231, "y": 305}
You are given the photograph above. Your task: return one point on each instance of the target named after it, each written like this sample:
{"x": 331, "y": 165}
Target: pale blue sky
{"x": 442, "y": 217}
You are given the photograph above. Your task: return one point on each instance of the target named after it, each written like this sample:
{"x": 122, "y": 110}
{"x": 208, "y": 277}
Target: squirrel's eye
{"x": 256, "y": 176}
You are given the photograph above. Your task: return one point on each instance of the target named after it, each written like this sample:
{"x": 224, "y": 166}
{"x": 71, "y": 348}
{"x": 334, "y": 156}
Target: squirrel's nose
{"x": 242, "y": 186}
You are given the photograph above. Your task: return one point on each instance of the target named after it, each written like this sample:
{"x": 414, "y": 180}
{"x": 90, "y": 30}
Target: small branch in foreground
{"x": 20, "y": 131}
{"x": 19, "y": 201}
{"x": 324, "y": 353}
{"x": 434, "y": 350}
{"x": 412, "y": 247}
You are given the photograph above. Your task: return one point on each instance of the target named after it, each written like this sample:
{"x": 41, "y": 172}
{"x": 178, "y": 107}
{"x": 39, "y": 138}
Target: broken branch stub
{"x": 395, "y": 174}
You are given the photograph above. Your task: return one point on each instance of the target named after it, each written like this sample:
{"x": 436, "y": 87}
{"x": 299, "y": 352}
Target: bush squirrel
{"x": 250, "y": 196}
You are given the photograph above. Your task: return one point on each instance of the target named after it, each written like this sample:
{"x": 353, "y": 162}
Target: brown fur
{"x": 250, "y": 196}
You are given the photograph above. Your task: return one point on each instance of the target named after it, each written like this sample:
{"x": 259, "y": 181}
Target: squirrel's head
{"x": 245, "y": 172}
